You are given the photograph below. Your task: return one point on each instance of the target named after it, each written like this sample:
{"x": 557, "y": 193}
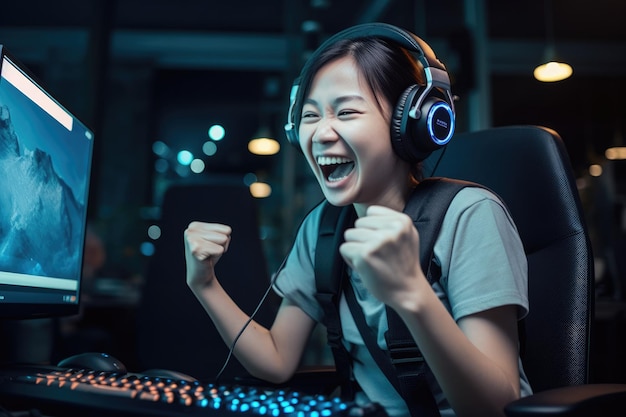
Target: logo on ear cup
{"x": 439, "y": 123}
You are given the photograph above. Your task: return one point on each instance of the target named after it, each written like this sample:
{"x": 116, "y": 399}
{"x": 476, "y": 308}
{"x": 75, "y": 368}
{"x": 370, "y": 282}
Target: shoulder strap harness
{"x": 402, "y": 363}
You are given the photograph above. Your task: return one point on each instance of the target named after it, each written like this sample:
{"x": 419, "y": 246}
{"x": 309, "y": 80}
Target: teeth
{"x": 331, "y": 160}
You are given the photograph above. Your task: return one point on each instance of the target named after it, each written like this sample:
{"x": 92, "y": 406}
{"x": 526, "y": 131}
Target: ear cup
{"x": 435, "y": 125}
{"x": 399, "y": 139}
{"x": 292, "y": 136}
{"x": 415, "y": 136}
{"x": 290, "y": 127}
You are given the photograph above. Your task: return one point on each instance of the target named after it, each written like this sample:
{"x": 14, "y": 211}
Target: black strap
{"x": 426, "y": 206}
{"x": 329, "y": 278}
{"x": 404, "y": 364}
{"x": 414, "y": 388}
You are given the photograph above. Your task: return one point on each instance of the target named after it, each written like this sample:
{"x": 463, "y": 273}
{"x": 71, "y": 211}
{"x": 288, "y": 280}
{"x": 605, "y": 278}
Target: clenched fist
{"x": 205, "y": 243}
{"x": 383, "y": 248}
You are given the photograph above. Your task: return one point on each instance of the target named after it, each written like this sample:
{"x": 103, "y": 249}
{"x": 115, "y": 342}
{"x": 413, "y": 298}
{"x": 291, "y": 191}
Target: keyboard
{"x": 61, "y": 392}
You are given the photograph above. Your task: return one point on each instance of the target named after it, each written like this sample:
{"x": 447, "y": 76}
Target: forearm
{"x": 473, "y": 383}
{"x": 270, "y": 355}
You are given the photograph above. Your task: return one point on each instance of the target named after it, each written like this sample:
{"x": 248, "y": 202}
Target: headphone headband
{"x": 388, "y": 32}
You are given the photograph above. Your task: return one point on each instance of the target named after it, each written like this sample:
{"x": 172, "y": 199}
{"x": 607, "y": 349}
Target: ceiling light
{"x": 552, "y": 69}
{"x": 260, "y": 190}
{"x": 617, "y": 153}
{"x": 263, "y": 146}
{"x": 595, "y": 170}
{"x": 262, "y": 143}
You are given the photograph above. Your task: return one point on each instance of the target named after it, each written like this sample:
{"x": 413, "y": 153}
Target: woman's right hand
{"x": 205, "y": 243}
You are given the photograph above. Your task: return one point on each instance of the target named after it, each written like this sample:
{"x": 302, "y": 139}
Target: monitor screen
{"x": 45, "y": 165}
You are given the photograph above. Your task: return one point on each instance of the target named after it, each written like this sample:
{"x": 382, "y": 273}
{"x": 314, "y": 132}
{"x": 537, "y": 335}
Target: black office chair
{"x": 528, "y": 167}
{"x": 173, "y": 330}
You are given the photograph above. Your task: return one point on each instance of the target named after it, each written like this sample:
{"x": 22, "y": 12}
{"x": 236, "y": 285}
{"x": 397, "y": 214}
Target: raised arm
{"x": 474, "y": 361}
{"x": 270, "y": 354}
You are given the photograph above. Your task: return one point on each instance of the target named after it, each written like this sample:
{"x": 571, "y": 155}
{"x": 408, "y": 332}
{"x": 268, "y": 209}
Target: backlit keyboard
{"x": 108, "y": 393}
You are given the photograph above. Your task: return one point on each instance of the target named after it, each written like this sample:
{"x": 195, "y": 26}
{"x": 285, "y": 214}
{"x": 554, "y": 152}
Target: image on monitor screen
{"x": 45, "y": 163}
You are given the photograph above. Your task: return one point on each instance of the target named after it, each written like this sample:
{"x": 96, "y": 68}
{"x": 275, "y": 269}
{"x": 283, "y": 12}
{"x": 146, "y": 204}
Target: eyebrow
{"x": 337, "y": 101}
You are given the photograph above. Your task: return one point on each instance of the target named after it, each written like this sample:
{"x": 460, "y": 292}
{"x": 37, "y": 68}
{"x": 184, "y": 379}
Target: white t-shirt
{"x": 483, "y": 266}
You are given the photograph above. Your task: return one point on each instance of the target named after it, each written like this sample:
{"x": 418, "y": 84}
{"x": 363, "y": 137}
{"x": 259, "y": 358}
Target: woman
{"x": 465, "y": 325}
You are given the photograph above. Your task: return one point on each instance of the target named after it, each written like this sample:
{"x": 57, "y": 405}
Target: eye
{"x": 309, "y": 116}
{"x": 346, "y": 112}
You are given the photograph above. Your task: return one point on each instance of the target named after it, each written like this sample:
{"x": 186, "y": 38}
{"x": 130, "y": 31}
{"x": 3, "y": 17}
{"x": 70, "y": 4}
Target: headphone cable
{"x": 443, "y": 151}
{"x": 269, "y": 288}
{"x": 247, "y": 323}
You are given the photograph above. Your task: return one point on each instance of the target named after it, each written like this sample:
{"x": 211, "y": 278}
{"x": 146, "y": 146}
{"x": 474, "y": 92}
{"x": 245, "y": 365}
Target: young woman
{"x": 465, "y": 325}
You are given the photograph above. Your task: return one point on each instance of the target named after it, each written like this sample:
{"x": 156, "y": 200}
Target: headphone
{"x": 423, "y": 119}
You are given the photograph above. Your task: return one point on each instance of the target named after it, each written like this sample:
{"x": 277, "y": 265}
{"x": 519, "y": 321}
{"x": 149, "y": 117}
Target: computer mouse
{"x": 95, "y": 361}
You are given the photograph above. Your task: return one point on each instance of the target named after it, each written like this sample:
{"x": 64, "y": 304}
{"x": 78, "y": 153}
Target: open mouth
{"x": 335, "y": 168}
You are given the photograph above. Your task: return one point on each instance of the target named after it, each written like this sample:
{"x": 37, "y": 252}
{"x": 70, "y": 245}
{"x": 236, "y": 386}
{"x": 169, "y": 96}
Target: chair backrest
{"x": 173, "y": 330}
{"x": 528, "y": 167}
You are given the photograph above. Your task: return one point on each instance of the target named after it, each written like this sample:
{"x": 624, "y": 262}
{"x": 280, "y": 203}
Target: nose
{"x": 325, "y": 131}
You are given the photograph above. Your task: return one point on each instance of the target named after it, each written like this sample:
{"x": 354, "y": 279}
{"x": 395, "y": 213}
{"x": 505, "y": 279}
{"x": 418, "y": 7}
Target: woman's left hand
{"x": 383, "y": 248}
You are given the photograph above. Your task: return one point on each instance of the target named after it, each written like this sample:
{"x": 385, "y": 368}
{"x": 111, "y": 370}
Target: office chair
{"x": 173, "y": 330}
{"x": 528, "y": 167}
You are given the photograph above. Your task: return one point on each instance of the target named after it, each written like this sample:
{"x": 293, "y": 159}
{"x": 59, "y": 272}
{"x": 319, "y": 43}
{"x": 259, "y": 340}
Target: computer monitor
{"x": 45, "y": 165}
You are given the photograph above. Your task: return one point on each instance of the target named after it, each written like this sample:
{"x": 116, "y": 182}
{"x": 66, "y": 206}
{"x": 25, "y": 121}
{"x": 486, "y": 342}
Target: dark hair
{"x": 387, "y": 68}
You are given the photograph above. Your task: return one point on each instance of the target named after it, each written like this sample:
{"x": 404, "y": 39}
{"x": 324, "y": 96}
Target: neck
{"x": 393, "y": 199}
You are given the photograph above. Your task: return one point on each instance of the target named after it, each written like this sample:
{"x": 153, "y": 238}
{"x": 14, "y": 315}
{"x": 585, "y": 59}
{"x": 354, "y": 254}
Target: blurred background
{"x": 177, "y": 90}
